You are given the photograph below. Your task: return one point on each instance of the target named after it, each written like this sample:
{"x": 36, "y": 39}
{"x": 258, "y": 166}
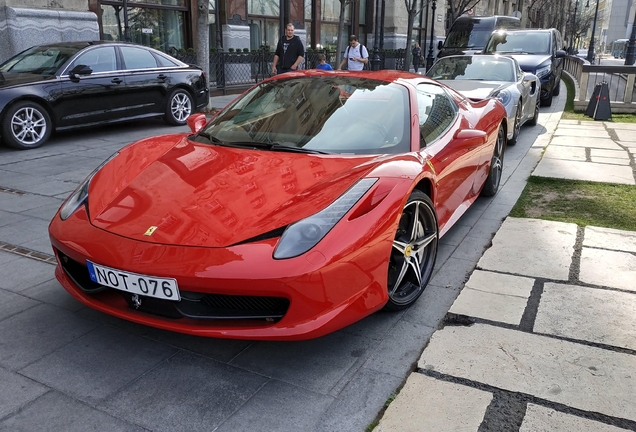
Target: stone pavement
{"x": 542, "y": 336}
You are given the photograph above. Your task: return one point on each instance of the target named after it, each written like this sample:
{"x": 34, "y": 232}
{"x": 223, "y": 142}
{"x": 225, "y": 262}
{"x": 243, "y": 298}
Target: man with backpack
{"x": 356, "y": 55}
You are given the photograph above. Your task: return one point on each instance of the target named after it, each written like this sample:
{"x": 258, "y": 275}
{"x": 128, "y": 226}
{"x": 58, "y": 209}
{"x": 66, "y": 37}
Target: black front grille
{"x": 192, "y": 305}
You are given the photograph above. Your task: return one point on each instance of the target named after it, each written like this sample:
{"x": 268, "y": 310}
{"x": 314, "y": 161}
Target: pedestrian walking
{"x": 289, "y": 52}
{"x": 356, "y": 55}
{"x": 417, "y": 54}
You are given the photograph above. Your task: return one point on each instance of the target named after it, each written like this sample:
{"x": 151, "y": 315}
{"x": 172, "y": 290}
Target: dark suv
{"x": 538, "y": 51}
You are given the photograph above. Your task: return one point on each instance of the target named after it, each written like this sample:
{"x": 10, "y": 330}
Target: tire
{"x": 496, "y": 165}
{"x": 516, "y": 128}
{"x": 179, "y": 107}
{"x": 26, "y": 125}
{"x": 547, "y": 101}
{"x": 557, "y": 87}
{"x": 535, "y": 120}
{"x": 413, "y": 253}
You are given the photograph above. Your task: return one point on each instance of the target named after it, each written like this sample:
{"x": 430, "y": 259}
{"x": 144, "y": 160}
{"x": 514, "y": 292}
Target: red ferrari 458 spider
{"x": 313, "y": 200}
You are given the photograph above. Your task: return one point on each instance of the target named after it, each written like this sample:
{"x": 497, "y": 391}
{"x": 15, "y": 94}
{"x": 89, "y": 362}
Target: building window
{"x": 162, "y": 29}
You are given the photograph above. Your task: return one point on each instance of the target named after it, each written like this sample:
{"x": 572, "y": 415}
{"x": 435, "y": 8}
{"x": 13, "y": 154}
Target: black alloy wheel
{"x": 516, "y": 129}
{"x": 179, "y": 107}
{"x": 26, "y": 125}
{"x": 413, "y": 253}
{"x": 496, "y": 165}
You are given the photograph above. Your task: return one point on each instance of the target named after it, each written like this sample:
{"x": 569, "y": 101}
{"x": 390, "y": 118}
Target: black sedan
{"x": 73, "y": 84}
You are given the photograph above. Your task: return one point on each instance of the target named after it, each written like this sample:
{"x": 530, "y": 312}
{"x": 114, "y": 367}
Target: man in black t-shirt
{"x": 289, "y": 52}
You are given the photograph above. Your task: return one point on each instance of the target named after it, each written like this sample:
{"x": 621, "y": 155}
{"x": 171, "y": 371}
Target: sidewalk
{"x": 543, "y": 335}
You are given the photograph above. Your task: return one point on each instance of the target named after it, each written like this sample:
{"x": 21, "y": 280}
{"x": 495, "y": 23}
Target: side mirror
{"x": 528, "y": 76}
{"x": 560, "y": 54}
{"x": 80, "y": 70}
{"x": 440, "y": 44}
{"x": 196, "y": 122}
{"x": 471, "y": 136}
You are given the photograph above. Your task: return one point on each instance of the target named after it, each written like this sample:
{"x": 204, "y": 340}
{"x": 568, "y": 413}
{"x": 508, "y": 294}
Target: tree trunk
{"x": 203, "y": 38}
{"x": 339, "y": 46}
{"x": 409, "y": 32}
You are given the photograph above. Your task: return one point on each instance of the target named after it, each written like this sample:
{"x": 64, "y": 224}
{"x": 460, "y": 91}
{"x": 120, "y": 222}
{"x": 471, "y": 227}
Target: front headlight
{"x": 79, "y": 196}
{"x": 542, "y": 71}
{"x": 504, "y": 96}
{"x": 305, "y": 234}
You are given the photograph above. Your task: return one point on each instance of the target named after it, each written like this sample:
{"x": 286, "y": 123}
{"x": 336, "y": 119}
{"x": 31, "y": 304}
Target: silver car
{"x": 486, "y": 76}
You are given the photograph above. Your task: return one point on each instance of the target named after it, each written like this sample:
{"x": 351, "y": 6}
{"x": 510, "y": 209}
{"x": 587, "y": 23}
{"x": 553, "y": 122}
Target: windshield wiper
{"x": 208, "y": 136}
{"x": 274, "y": 146}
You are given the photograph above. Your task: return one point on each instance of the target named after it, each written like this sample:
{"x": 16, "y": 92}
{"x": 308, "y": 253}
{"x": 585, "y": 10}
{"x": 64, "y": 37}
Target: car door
{"x": 97, "y": 95}
{"x": 146, "y": 82}
{"x": 455, "y": 161}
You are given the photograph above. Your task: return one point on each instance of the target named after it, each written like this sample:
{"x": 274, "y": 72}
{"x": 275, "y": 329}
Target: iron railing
{"x": 620, "y": 82}
{"x": 242, "y": 69}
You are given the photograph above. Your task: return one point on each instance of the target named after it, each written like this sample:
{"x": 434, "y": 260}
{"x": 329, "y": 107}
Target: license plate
{"x": 163, "y": 288}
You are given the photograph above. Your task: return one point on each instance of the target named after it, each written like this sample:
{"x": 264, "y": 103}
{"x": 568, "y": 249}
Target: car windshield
{"x": 472, "y": 68}
{"x": 332, "y": 114}
{"x": 41, "y": 60}
{"x": 519, "y": 42}
{"x": 467, "y": 37}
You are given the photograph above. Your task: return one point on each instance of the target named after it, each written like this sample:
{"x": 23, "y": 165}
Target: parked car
{"x": 469, "y": 34}
{"x": 73, "y": 84}
{"x": 310, "y": 202}
{"x": 484, "y": 76}
{"x": 538, "y": 51}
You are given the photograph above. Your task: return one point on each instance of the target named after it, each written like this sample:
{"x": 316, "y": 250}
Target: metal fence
{"x": 242, "y": 69}
{"x": 620, "y": 81}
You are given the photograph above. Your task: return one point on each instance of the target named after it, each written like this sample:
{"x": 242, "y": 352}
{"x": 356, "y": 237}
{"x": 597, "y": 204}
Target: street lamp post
{"x": 127, "y": 37}
{"x": 590, "y": 50}
{"x": 375, "y": 60}
{"x": 631, "y": 45}
{"x": 574, "y": 29}
{"x": 429, "y": 58}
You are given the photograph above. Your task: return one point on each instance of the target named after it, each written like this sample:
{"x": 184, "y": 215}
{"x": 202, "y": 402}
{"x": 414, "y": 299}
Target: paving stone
{"x": 454, "y": 273}
{"x": 40, "y": 244}
{"x": 12, "y": 304}
{"x": 591, "y": 132}
{"x": 564, "y": 152}
{"x": 51, "y": 292}
{"x": 612, "y": 154}
{"x": 427, "y": 404}
{"x": 610, "y": 161}
{"x": 495, "y": 297}
{"x": 580, "y": 376}
{"x": 430, "y": 309}
{"x": 7, "y": 218}
{"x": 375, "y": 326}
{"x": 19, "y": 203}
{"x": 532, "y": 247}
{"x": 588, "y": 314}
{"x": 202, "y": 395}
{"x": 588, "y": 171}
{"x": 540, "y": 418}
{"x": 6, "y": 257}
{"x": 81, "y": 370}
{"x": 317, "y": 365}
{"x": 599, "y": 143}
{"x": 282, "y": 407}
{"x": 608, "y": 268}
{"x": 16, "y": 392}
{"x": 609, "y": 238}
{"x": 57, "y": 412}
{"x": 23, "y": 273}
{"x": 358, "y": 401}
{"x": 37, "y": 332}
{"x": 625, "y": 135}
{"x": 25, "y": 230}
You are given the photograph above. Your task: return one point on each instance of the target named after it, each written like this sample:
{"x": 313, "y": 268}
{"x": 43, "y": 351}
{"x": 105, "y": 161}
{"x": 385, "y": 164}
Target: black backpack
{"x": 366, "y": 65}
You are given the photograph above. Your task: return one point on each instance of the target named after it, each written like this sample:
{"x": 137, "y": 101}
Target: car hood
{"x": 212, "y": 196}
{"x": 476, "y": 89}
{"x": 530, "y": 62}
{"x": 13, "y": 79}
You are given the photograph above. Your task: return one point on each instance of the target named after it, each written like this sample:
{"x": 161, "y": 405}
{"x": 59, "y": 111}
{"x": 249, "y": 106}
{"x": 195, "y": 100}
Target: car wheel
{"x": 26, "y": 125}
{"x": 535, "y": 119}
{"x": 517, "y": 126}
{"x": 179, "y": 107}
{"x": 547, "y": 101}
{"x": 413, "y": 253}
{"x": 496, "y": 165}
